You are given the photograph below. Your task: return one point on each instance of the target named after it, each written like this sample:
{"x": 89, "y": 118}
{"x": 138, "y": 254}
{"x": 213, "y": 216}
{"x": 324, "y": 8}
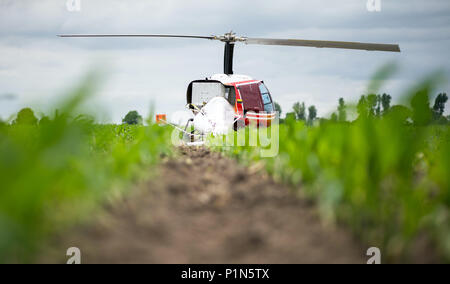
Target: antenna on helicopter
{"x": 230, "y": 39}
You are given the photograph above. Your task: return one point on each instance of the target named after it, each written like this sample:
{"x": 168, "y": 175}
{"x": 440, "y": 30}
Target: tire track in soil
{"x": 205, "y": 208}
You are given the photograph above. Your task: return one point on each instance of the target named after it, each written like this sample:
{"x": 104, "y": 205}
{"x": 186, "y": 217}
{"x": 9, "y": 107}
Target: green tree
{"x": 342, "y": 112}
{"x": 439, "y": 104}
{"x": 378, "y": 106}
{"x": 386, "y": 102}
{"x": 312, "y": 113}
{"x": 368, "y": 106}
{"x": 334, "y": 117}
{"x": 278, "y": 108}
{"x": 290, "y": 116}
{"x": 361, "y": 108}
{"x": 132, "y": 117}
{"x": 44, "y": 120}
{"x": 300, "y": 110}
{"x": 26, "y": 116}
{"x": 399, "y": 113}
{"x": 421, "y": 111}
{"x": 372, "y": 102}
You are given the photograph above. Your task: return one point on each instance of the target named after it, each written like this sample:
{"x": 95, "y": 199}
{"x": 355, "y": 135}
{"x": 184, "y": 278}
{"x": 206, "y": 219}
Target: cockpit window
{"x": 267, "y": 100}
{"x": 230, "y": 95}
{"x": 263, "y": 88}
{"x": 268, "y": 107}
{"x": 202, "y": 92}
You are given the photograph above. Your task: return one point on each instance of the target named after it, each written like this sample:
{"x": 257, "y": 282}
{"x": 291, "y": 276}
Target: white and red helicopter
{"x": 212, "y": 99}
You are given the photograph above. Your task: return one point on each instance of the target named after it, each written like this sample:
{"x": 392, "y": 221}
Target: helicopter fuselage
{"x": 250, "y": 98}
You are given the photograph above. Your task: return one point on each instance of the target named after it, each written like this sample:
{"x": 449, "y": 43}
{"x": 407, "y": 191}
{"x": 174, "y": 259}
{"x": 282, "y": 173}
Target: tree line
{"x": 26, "y": 116}
{"x": 372, "y": 105}
{"x": 300, "y": 112}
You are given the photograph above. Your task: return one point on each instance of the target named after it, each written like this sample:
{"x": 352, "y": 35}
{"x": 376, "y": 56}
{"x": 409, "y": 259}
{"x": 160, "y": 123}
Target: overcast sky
{"x": 37, "y": 68}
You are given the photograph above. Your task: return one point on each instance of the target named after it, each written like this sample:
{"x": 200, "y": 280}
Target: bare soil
{"x": 205, "y": 208}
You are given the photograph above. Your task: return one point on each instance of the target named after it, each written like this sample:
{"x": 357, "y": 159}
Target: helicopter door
{"x": 252, "y": 97}
{"x": 202, "y": 92}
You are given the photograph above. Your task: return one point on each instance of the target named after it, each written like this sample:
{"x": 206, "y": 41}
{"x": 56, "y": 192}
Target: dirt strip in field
{"x": 205, "y": 208}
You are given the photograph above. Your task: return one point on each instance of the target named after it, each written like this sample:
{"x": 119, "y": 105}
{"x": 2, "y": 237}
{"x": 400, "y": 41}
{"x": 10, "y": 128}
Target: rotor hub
{"x": 229, "y": 37}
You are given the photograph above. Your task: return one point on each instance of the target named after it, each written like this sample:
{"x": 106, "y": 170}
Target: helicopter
{"x": 248, "y": 99}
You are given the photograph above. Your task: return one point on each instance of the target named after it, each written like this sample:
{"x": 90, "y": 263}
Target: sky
{"x": 37, "y": 68}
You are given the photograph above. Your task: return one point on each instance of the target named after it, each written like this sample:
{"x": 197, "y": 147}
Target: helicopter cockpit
{"x": 200, "y": 92}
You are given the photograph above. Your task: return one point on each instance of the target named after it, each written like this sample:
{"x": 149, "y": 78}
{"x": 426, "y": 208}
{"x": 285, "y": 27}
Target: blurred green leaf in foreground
{"x": 59, "y": 171}
{"x": 386, "y": 175}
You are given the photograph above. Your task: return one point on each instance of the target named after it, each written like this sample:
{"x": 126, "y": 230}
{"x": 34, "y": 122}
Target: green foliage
{"x": 385, "y": 178}
{"x": 362, "y": 108}
{"x": 400, "y": 113}
{"x": 299, "y": 110}
{"x": 132, "y": 117}
{"x": 439, "y": 107}
{"x": 371, "y": 104}
{"x": 386, "y": 102}
{"x": 60, "y": 171}
{"x": 26, "y": 117}
{"x": 342, "y": 112}
{"x": 334, "y": 117}
{"x": 44, "y": 120}
{"x": 291, "y": 116}
{"x": 421, "y": 112}
{"x": 312, "y": 113}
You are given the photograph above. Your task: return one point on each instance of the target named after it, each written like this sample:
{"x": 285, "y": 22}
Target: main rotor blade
{"x": 324, "y": 44}
{"x": 135, "y": 35}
